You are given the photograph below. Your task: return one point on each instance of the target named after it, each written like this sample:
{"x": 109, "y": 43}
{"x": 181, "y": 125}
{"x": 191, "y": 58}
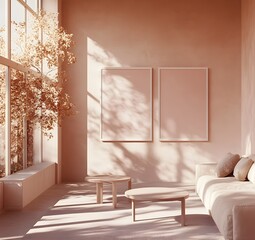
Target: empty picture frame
{"x": 183, "y": 104}
{"x": 126, "y": 104}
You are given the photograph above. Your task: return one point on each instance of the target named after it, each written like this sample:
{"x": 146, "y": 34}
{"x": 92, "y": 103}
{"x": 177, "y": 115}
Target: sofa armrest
{"x": 243, "y": 222}
{"x": 208, "y": 168}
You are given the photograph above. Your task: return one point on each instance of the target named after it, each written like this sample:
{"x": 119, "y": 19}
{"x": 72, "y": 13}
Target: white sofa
{"x": 230, "y": 202}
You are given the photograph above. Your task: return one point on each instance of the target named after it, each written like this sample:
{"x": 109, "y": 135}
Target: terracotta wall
{"x": 152, "y": 33}
{"x": 248, "y": 76}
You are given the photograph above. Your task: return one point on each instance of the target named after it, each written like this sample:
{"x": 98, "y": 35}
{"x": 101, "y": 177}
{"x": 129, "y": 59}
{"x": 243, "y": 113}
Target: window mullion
{"x": 8, "y": 92}
{"x": 17, "y": 66}
{"x": 24, "y": 118}
{"x": 27, "y": 7}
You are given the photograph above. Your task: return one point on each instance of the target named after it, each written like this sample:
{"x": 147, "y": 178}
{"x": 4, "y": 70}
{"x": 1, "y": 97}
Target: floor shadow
{"x": 69, "y": 211}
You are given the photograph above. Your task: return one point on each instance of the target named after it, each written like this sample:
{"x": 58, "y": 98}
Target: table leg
{"x": 183, "y": 212}
{"x": 133, "y": 210}
{"x": 99, "y": 189}
{"x": 114, "y": 195}
{"x": 129, "y": 184}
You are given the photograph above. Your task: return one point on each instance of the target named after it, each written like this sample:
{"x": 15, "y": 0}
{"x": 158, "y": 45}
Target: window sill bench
{"x": 24, "y": 186}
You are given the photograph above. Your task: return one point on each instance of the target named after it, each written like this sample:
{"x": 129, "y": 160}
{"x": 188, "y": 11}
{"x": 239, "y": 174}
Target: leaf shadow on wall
{"x": 144, "y": 161}
{"x": 126, "y": 105}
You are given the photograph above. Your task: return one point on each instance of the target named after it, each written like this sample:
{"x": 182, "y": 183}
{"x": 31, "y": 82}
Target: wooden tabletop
{"x": 107, "y": 178}
{"x": 156, "y": 194}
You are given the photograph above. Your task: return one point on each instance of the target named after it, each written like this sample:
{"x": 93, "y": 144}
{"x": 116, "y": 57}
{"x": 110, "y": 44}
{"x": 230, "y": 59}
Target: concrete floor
{"x": 69, "y": 211}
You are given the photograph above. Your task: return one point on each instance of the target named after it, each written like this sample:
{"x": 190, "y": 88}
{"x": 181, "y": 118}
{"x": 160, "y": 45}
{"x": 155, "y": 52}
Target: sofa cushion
{"x": 220, "y": 195}
{"x": 252, "y": 156}
{"x": 242, "y": 168}
{"x": 210, "y": 187}
{"x": 226, "y": 165}
{"x": 251, "y": 174}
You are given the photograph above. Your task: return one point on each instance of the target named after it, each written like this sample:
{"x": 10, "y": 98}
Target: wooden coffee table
{"x": 111, "y": 179}
{"x": 156, "y": 194}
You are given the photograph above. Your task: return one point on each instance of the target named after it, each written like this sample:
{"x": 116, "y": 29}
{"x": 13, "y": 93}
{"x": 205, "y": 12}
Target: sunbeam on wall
{"x": 127, "y": 104}
{"x": 126, "y": 111}
{"x": 112, "y": 157}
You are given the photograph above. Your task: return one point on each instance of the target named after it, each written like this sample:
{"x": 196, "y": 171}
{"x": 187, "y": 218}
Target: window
{"x": 33, "y": 100}
{"x": 20, "y": 140}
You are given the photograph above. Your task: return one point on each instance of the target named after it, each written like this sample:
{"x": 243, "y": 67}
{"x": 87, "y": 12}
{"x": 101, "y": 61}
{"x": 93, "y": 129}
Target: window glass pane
{"x": 17, "y": 30}
{"x": 25, "y": 115}
{"x": 33, "y": 40}
{"x": 30, "y": 21}
{"x": 2, "y": 28}
{"x": 33, "y": 110}
{"x": 32, "y": 4}
{"x": 18, "y": 121}
{"x": 2, "y": 120}
{"x": 2, "y": 13}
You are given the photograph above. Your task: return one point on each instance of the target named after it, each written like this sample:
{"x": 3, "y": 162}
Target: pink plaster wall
{"x": 248, "y": 76}
{"x": 151, "y": 33}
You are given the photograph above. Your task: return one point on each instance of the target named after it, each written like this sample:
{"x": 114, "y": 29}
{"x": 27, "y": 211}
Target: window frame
{"x": 7, "y": 62}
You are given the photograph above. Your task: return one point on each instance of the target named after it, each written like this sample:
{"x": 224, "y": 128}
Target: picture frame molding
{"x": 150, "y": 138}
{"x": 206, "y": 138}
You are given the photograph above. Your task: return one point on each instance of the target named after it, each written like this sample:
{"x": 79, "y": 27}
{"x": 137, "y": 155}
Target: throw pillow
{"x": 251, "y": 173}
{"x": 242, "y": 168}
{"x": 226, "y": 165}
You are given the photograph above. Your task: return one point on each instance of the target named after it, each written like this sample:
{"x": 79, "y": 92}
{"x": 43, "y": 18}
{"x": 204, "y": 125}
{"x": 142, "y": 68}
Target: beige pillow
{"x": 251, "y": 174}
{"x": 252, "y": 157}
{"x": 242, "y": 168}
{"x": 227, "y": 164}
